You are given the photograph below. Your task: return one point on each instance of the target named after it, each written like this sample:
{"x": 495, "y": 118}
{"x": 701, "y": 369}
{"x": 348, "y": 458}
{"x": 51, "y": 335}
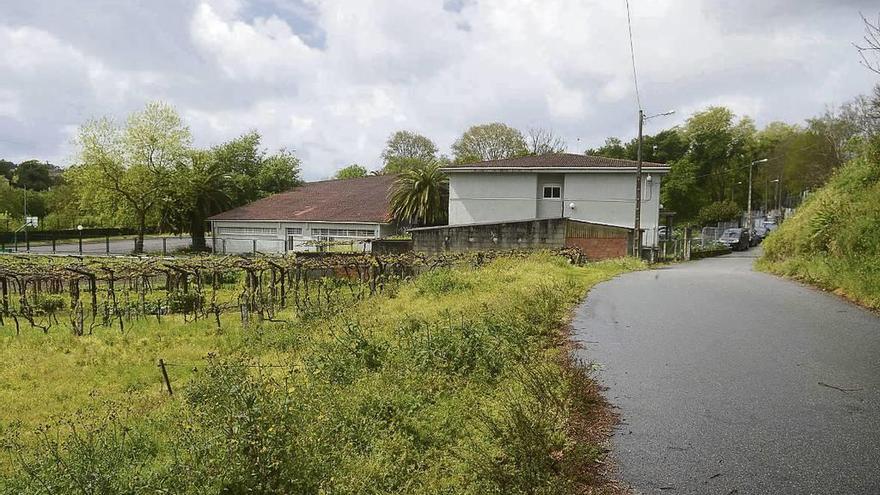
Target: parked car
{"x": 761, "y": 233}
{"x": 735, "y": 239}
{"x": 770, "y": 226}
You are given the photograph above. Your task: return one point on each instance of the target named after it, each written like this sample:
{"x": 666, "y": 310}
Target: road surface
{"x": 731, "y": 381}
{"x": 117, "y": 246}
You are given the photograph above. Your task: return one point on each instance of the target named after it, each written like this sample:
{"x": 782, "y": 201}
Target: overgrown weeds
{"x": 457, "y": 383}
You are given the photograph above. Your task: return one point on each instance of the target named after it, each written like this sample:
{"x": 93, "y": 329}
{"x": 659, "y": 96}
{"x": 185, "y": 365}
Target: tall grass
{"x": 833, "y": 241}
{"x": 455, "y": 383}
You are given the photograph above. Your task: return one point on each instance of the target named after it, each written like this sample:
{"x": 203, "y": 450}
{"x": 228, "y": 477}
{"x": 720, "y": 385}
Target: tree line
{"x": 710, "y": 153}
{"x": 145, "y": 172}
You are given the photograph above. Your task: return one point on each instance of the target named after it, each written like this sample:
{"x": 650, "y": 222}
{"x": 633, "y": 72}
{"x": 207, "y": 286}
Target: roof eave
{"x": 646, "y": 168}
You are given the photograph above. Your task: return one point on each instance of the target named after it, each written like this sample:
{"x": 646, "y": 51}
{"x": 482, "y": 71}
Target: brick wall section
{"x": 598, "y": 242}
{"x": 600, "y": 249}
{"x": 529, "y": 234}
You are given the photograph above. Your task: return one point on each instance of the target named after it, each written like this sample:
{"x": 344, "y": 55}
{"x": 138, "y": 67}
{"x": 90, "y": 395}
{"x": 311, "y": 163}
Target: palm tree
{"x": 420, "y": 195}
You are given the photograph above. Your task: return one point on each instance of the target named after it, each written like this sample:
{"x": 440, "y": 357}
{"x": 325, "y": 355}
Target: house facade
{"x": 578, "y": 187}
{"x": 347, "y": 211}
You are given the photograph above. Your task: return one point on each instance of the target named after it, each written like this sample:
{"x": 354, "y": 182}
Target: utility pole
{"x": 751, "y": 223}
{"x": 637, "y": 225}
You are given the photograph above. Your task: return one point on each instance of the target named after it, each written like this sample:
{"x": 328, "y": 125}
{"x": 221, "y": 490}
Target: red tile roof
{"x": 364, "y": 199}
{"x": 556, "y": 160}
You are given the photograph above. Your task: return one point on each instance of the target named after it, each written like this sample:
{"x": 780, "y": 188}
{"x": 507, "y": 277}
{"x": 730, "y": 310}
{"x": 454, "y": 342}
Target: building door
{"x": 550, "y": 201}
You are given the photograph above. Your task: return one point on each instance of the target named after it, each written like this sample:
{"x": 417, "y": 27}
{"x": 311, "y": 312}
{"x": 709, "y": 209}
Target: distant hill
{"x": 833, "y": 241}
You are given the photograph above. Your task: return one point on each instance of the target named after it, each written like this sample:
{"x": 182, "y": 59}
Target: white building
{"x": 349, "y": 211}
{"x": 581, "y": 187}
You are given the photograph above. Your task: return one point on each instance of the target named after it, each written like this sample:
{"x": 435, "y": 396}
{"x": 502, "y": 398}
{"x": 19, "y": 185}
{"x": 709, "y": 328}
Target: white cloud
{"x": 381, "y": 65}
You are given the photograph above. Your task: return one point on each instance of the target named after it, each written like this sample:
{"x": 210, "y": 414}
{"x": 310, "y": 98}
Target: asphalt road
{"x": 731, "y": 381}
{"x": 117, "y": 246}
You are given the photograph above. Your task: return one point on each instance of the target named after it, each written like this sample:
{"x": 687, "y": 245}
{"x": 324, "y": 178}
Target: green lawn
{"x": 455, "y": 382}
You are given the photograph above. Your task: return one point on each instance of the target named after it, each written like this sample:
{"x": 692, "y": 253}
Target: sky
{"x": 332, "y": 79}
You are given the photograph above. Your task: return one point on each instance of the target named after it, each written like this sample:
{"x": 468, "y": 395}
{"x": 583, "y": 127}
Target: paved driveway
{"x": 117, "y": 246}
{"x": 731, "y": 381}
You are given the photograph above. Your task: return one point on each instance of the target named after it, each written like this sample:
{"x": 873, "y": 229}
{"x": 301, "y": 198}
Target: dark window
{"x": 552, "y": 192}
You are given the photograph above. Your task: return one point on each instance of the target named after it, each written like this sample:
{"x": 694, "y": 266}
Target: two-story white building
{"x": 563, "y": 185}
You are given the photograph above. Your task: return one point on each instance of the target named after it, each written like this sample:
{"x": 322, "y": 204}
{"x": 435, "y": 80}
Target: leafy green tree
{"x": 420, "y": 196}
{"x": 405, "y": 150}
{"x": 613, "y": 148}
{"x": 202, "y": 188}
{"x": 35, "y": 175}
{"x": 352, "y": 171}
{"x": 7, "y": 169}
{"x": 278, "y": 172}
{"x": 131, "y": 166}
{"x": 719, "y": 211}
{"x": 718, "y": 150}
{"x": 226, "y": 176}
{"x": 489, "y": 142}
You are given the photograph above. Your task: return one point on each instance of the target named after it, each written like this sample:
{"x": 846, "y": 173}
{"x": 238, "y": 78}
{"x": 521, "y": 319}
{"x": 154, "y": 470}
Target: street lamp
{"x": 777, "y": 193}
{"x": 763, "y": 160}
{"x": 637, "y": 224}
{"x": 80, "y": 229}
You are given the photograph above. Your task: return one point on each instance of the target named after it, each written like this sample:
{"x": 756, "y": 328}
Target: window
{"x": 247, "y": 230}
{"x": 552, "y": 192}
{"x": 366, "y": 233}
{"x": 295, "y": 231}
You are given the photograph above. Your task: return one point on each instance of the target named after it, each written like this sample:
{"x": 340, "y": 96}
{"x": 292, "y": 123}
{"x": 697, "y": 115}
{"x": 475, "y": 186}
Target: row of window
{"x": 343, "y": 233}
{"x": 294, "y": 231}
{"x": 247, "y": 230}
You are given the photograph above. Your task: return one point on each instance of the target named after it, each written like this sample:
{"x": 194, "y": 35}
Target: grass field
{"x": 455, "y": 382}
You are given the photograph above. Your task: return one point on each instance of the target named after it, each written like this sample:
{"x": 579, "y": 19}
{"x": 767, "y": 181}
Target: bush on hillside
{"x": 833, "y": 240}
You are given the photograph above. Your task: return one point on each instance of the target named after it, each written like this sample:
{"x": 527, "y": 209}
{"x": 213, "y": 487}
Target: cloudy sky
{"x": 332, "y": 79}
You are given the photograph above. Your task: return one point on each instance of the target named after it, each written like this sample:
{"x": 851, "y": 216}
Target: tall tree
{"x": 420, "y": 195}
{"x": 405, "y": 149}
{"x": 7, "y": 168}
{"x": 719, "y": 148}
{"x": 228, "y": 175}
{"x": 613, "y": 148}
{"x": 35, "y": 175}
{"x": 351, "y": 172}
{"x": 131, "y": 165}
{"x": 489, "y": 142}
{"x": 542, "y": 141}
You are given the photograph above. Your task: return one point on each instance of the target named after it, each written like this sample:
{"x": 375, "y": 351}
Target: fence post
{"x": 53, "y": 243}
{"x": 164, "y": 246}
{"x": 224, "y": 244}
{"x": 165, "y": 376}
{"x": 107, "y": 244}
{"x": 27, "y": 240}
{"x": 255, "y": 246}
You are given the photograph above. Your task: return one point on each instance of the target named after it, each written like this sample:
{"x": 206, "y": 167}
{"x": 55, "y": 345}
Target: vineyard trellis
{"x": 92, "y": 291}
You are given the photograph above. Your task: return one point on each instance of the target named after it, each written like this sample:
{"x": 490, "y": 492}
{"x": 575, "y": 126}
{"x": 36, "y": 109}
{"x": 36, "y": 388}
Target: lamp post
{"x": 776, "y": 198}
{"x": 637, "y": 224}
{"x": 763, "y": 160}
{"x": 79, "y": 228}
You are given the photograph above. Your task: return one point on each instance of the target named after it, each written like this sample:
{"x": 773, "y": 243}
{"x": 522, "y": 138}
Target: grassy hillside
{"x": 455, "y": 382}
{"x": 833, "y": 241}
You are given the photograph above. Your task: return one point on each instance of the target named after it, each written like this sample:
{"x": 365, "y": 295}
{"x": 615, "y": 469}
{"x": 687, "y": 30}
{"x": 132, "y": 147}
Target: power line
{"x": 632, "y": 55}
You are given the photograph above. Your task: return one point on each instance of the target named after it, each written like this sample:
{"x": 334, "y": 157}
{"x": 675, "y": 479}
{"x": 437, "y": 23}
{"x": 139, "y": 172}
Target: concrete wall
{"x": 596, "y": 241}
{"x": 491, "y": 197}
{"x": 534, "y": 234}
{"x": 276, "y": 241}
{"x": 609, "y": 198}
